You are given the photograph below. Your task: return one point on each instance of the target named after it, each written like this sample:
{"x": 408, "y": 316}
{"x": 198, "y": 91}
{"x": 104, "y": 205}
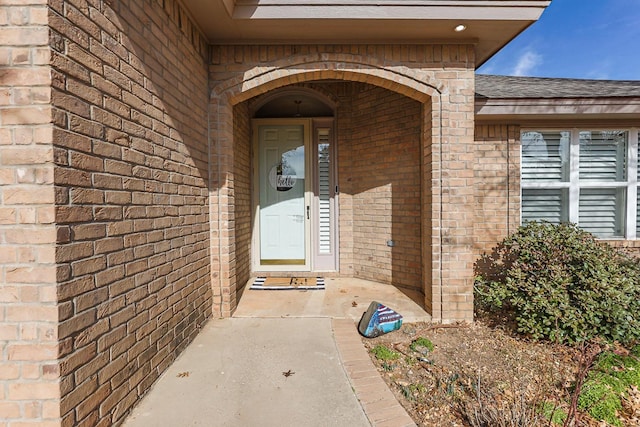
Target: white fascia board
{"x": 586, "y": 106}
{"x": 524, "y": 10}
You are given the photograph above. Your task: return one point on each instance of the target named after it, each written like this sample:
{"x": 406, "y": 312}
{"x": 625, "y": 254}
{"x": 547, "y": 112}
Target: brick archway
{"x": 431, "y": 86}
{"x": 258, "y": 79}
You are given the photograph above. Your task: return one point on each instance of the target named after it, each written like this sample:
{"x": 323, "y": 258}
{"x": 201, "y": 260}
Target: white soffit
{"x": 490, "y": 23}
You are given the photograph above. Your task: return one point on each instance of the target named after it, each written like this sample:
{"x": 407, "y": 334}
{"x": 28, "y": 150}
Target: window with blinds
{"x": 545, "y": 205}
{"x": 324, "y": 192}
{"x": 588, "y": 177}
{"x": 602, "y": 159}
{"x": 545, "y": 156}
{"x": 637, "y": 174}
{"x": 601, "y": 211}
{"x": 603, "y": 156}
{"x": 545, "y": 176}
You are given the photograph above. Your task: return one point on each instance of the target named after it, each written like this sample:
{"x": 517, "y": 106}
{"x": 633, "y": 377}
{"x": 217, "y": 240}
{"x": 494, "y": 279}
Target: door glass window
{"x": 282, "y": 187}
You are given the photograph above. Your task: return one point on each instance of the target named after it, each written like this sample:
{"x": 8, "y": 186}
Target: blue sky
{"x": 583, "y": 39}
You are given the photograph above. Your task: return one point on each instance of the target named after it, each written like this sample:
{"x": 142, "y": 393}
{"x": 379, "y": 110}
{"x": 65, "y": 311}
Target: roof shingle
{"x": 491, "y": 86}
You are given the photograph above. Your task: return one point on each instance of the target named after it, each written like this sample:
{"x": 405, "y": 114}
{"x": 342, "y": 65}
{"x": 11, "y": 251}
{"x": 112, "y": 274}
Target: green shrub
{"x": 559, "y": 283}
{"x": 600, "y": 401}
{"x": 383, "y": 353}
{"x": 553, "y": 413}
{"x": 635, "y": 351}
{"x": 421, "y": 343}
{"x": 609, "y": 380}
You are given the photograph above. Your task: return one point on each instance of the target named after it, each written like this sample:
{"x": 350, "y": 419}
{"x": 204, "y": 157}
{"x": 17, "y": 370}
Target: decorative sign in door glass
{"x": 284, "y": 175}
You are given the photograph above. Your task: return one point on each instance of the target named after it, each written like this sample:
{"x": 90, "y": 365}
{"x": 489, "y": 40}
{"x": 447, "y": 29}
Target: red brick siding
{"x": 346, "y": 200}
{"x": 630, "y": 247}
{"x": 130, "y": 148}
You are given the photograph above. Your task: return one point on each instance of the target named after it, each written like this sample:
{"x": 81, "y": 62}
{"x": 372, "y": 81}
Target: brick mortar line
{"x": 344, "y": 334}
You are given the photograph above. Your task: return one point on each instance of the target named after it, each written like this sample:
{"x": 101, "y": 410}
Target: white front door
{"x": 283, "y": 210}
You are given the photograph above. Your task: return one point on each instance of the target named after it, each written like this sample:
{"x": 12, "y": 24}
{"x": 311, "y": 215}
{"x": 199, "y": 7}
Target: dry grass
{"x": 477, "y": 375}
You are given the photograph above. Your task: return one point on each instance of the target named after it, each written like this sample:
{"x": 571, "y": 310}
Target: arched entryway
{"x": 390, "y": 120}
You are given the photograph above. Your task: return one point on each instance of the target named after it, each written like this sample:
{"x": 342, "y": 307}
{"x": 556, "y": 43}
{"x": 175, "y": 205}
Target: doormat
{"x": 287, "y": 283}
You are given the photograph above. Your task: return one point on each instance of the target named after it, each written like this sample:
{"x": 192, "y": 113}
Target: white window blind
{"x": 545, "y": 156}
{"x": 603, "y": 156}
{"x": 324, "y": 192}
{"x": 601, "y": 211}
{"x": 545, "y": 205}
{"x": 583, "y": 176}
{"x": 545, "y": 164}
{"x": 634, "y": 142}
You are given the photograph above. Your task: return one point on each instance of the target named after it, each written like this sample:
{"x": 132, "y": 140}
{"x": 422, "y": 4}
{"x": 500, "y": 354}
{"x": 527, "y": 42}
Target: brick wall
{"x": 242, "y": 191}
{"x": 379, "y": 174}
{"x": 29, "y": 379}
{"x": 131, "y": 176}
{"x": 345, "y": 219}
{"x": 497, "y": 189}
{"x": 428, "y": 231}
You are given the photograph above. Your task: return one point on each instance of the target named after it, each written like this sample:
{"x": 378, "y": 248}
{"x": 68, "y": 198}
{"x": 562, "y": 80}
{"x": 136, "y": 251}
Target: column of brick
{"x": 513, "y": 167}
{"x": 430, "y": 195}
{"x": 29, "y": 372}
{"x": 131, "y": 175}
{"x": 222, "y": 211}
{"x": 243, "y": 177}
{"x": 456, "y": 173}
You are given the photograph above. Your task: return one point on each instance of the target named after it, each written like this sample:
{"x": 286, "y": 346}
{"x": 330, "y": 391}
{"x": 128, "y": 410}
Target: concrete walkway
{"x": 233, "y": 374}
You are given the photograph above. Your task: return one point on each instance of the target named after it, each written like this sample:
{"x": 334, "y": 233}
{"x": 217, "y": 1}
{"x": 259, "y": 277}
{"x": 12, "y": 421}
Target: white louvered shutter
{"x": 602, "y": 160}
{"x": 324, "y": 193}
{"x": 545, "y": 161}
{"x": 545, "y": 205}
{"x": 601, "y": 211}
{"x": 545, "y": 156}
{"x": 603, "y": 156}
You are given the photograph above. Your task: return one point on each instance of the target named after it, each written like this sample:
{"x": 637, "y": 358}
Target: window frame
{"x": 573, "y": 185}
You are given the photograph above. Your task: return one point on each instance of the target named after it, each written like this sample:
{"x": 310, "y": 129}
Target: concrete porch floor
{"x": 336, "y": 301}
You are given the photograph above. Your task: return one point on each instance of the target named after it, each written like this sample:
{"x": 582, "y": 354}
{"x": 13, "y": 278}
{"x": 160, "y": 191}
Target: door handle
{"x": 308, "y": 211}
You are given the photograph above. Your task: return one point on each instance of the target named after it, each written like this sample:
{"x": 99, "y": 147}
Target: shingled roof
{"x": 490, "y": 86}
